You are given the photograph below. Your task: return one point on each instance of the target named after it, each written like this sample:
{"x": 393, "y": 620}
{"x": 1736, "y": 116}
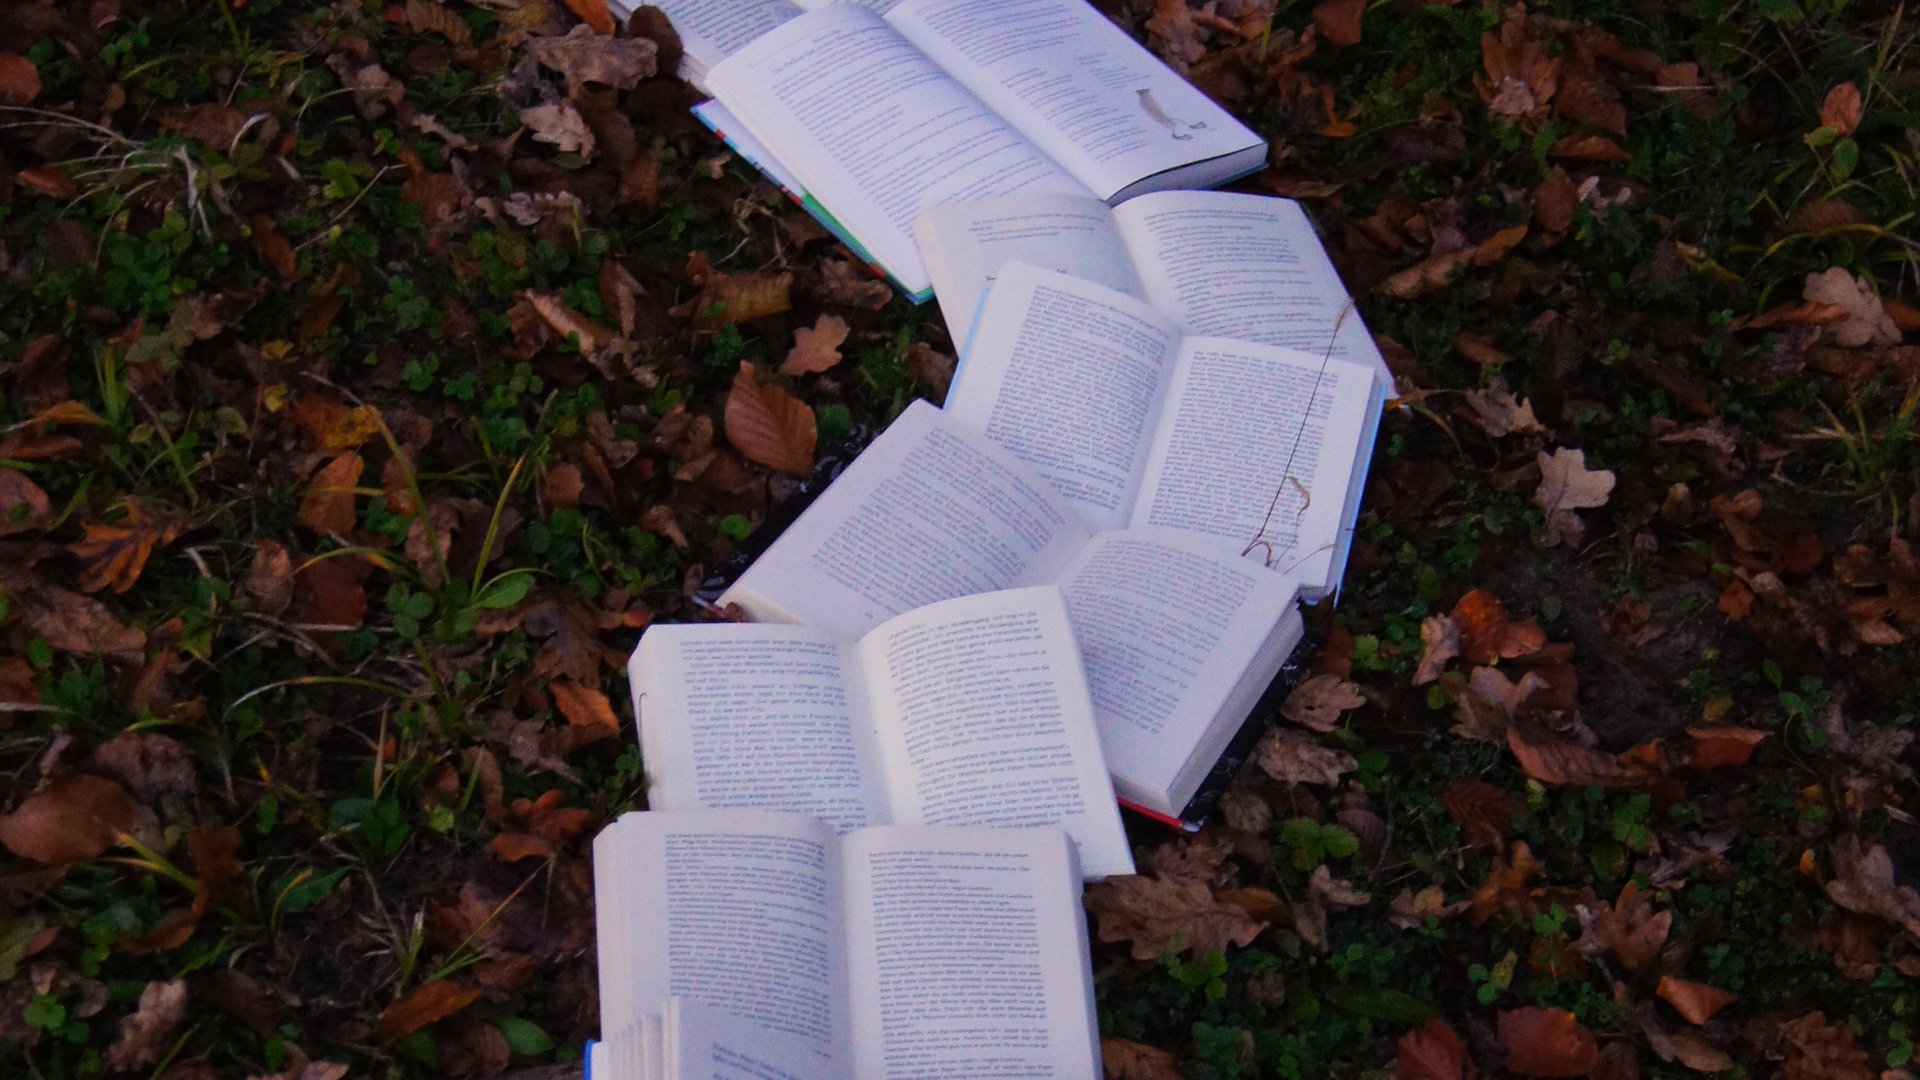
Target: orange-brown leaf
{"x": 1695, "y": 1001}
{"x": 436, "y": 1000}
{"x": 1339, "y": 20}
{"x": 769, "y": 425}
{"x": 1555, "y": 761}
{"x": 73, "y": 819}
{"x": 1736, "y": 600}
{"x": 48, "y": 180}
{"x": 112, "y": 556}
{"x": 1487, "y": 635}
{"x": 328, "y": 507}
{"x": 272, "y": 246}
{"x": 816, "y": 348}
{"x": 332, "y": 425}
{"x": 19, "y": 79}
{"x": 1485, "y": 813}
{"x": 23, "y": 504}
{"x": 1434, "y": 272}
{"x": 1432, "y": 1053}
{"x": 1124, "y": 1060}
{"x": 587, "y": 709}
{"x": 594, "y": 13}
{"x": 1841, "y": 109}
{"x": 216, "y": 865}
{"x": 1717, "y": 746}
{"x": 1547, "y": 1042}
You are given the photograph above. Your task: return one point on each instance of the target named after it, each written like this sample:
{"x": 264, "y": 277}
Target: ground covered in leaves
{"x": 372, "y": 372}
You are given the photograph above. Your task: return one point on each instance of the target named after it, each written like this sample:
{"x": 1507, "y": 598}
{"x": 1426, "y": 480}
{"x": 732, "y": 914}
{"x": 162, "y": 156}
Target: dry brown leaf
{"x": 269, "y": 581}
{"x": 1817, "y": 1050}
{"x": 1318, "y": 702}
{"x": 19, "y": 79}
{"x": 1551, "y": 760}
{"x": 1866, "y": 321}
{"x": 216, "y": 865}
{"x": 560, "y": 125}
{"x": 1547, "y": 1042}
{"x": 1863, "y": 882}
{"x": 1498, "y": 245}
{"x": 1484, "y": 812}
{"x": 1555, "y": 201}
{"x": 425, "y": 16}
{"x": 1339, "y": 20}
{"x": 1293, "y": 758}
{"x": 23, "y": 504}
{"x": 1714, "y": 747}
{"x": 1840, "y": 110}
{"x": 1567, "y": 484}
{"x": 1695, "y": 1001}
{"x": 1439, "y": 643}
{"x": 1588, "y": 147}
{"x": 1323, "y": 891}
{"x": 1432, "y": 273}
{"x": 1521, "y": 78}
{"x": 1736, "y": 600}
{"x": 148, "y": 764}
{"x": 594, "y": 13}
{"x": 328, "y": 507}
{"x": 816, "y": 348}
{"x": 69, "y": 621}
{"x": 48, "y": 180}
{"x": 1500, "y": 413}
{"x": 727, "y": 299}
{"x": 587, "y": 709}
{"x": 331, "y": 425}
{"x": 436, "y": 1000}
{"x": 147, "y": 1035}
{"x": 1125, "y": 1060}
{"x": 1410, "y": 910}
{"x": 1487, "y": 635}
{"x": 589, "y": 336}
{"x": 563, "y": 486}
{"x": 112, "y": 556}
{"x": 584, "y": 56}
{"x": 1432, "y": 1053}
{"x": 769, "y": 425}
{"x": 1629, "y": 928}
{"x": 1506, "y": 886}
{"x": 1158, "y": 916}
{"x": 73, "y": 819}
{"x": 1690, "y": 1048}
{"x": 1480, "y": 350}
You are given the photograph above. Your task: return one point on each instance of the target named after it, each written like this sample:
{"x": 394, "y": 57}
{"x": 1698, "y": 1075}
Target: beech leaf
{"x": 1695, "y": 1001}
{"x": 19, "y": 79}
{"x": 1714, "y": 747}
{"x": 1547, "y": 1042}
{"x": 1841, "y": 109}
{"x": 74, "y": 819}
{"x": 1432, "y": 1053}
{"x": 769, "y": 425}
{"x": 436, "y": 1000}
{"x": 328, "y": 507}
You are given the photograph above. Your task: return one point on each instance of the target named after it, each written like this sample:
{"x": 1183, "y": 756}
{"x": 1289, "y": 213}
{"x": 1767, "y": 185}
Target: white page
{"x": 737, "y": 909}
{"x": 745, "y": 717}
{"x": 1076, "y": 85}
{"x": 1167, "y": 624}
{"x": 987, "y": 721}
{"x": 1069, "y": 377}
{"x": 1248, "y": 267}
{"x": 926, "y": 513}
{"x": 1258, "y": 446}
{"x": 875, "y": 130}
{"x": 705, "y": 1043}
{"x": 712, "y": 30}
{"x": 968, "y": 954}
{"x": 966, "y": 244}
{"x": 879, "y": 7}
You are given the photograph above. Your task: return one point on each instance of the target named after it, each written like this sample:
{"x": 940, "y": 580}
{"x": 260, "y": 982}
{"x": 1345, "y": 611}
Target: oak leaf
{"x": 1318, "y": 702}
{"x": 1158, "y": 915}
{"x": 560, "y": 125}
{"x": 1432, "y": 1053}
{"x": 1567, "y": 484}
{"x": 1695, "y": 1001}
{"x": 433, "y": 1001}
{"x": 1124, "y": 1060}
{"x": 1863, "y": 882}
{"x": 19, "y": 79}
{"x": 1629, "y": 928}
{"x": 23, "y": 504}
{"x": 1865, "y": 322}
{"x": 72, "y": 820}
{"x": 769, "y": 425}
{"x": 1293, "y": 758}
{"x": 1323, "y": 891}
{"x": 1439, "y": 643}
{"x": 112, "y": 556}
{"x": 151, "y": 766}
{"x": 1547, "y": 1042}
{"x": 1840, "y": 110}
{"x": 586, "y": 57}
{"x": 1714, "y": 747}
{"x": 328, "y": 507}
{"x": 1500, "y": 413}
{"x": 147, "y": 1035}
{"x": 816, "y": 348}
{"x": 1817, "y": 1050}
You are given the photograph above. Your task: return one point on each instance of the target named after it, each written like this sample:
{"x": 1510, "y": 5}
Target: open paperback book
{"x": 1218, "y": 263}
{"x": 873, "y": 111}
{"x": 1178, "y": 633}
{"x": 895, "y": 951}
{"x": 971, "y": 711}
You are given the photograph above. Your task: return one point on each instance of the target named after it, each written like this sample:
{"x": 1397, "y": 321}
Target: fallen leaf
{"x": 1432, "y": 1053}
{"x": 1506, "y": 886}
{"x": 728, "y": 299}
{"x": 1694, "y": 1051}
{"x": 587, "y": 709}
{"x": 1695, "y": 1001}
{"x": 562, "y": 486}
{"x": 816, "y": 348}
{"x": 1324, "y": 890}
{"x": 560, "y": 125}
{"x": 1339, "y": 20}
{"x": 1714, "y": 747}
{"x": 1588, "y": 147}
{"x": 584, "y": 56}
{"x": 1439, "y": 643}
{"x": 1555, "y": 201}
{"x": 69, "y": 621}
{"x": 1547, "y": 1042}
{"x": 587, "y": 335}
{"x": 269, "y": 580}
{"x": 1125, "y": 1060}
{"x": 151, "y": 766}
{"x": 147, "y": 1035}
{"x": 48, "y": 180}
{"x": 1410, "y": 910}
{"x": 1866, "y": 321}
{"x": 1567, "y": 484}
{"x": 328, "y": 507}
{"x": 1520, "y": 77}
{"x": 272, "y": 246}
{"x": 1629, "y": 928}
{"x": 433, "y": 1001}
{"x": 1487, "y": 635}
{"x": 19, "y": 79}
{"x": 1432, "y": 273}
{"x": 23, "y": 504}
{"x": 1736, "y": 600}
{"x": 331, "y": 425}
{"x": 1551, "y": 760}
{"x": 1840, "y": 110}
{"x": 426, "y": 16}
{"x": 1495, "y": 247}
{"x": 594, "y": 13}
{"x": 1318, "y": 702}
{"x": 112, "y": 556}
{"x": 72, "y": 820}
{"x": 1483, "y": 811}
{"x": 1501, "y": 414}
{"x": 1158, "y": 915}
{"x": 1863, "y": 882}
{"x": 1293, "y": 758}
{"x": 769, "y": 425}
{"x": 1480, "y": 350}
{"x": 216, "y": 865}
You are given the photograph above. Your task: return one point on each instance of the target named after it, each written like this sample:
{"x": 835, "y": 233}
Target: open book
{"x": 1221, "y": 264}
{"x": 877, "y": 110}
{"x": 895, "y": 951}
{"x": 972, "y": 711}
{"x": 1178, "y": 633}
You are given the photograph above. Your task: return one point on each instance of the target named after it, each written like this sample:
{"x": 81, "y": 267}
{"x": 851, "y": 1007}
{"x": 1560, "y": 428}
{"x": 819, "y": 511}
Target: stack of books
{"x": 875, "y": 803}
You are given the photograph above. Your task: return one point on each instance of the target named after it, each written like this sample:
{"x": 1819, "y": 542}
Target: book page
{"x": 1247, "y": 267}
{"x": 984, "y": 719}
{"x": 736, "y": 909}
{"x": 704, "y": 1043}
{"x": 928, "y": 512}
{"x": 968, "y": 953}
{"x": 1068, "y": 376}
{"x": 1258, "y": 447}
{"x": 741, "y": 717}
{"x": 1076, "y": 85}
{"x": 1167, "y": 624}
{"x": 966, "y": 244}
{"x": 875, "y": 130}
{"x": 712, "y": 30}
